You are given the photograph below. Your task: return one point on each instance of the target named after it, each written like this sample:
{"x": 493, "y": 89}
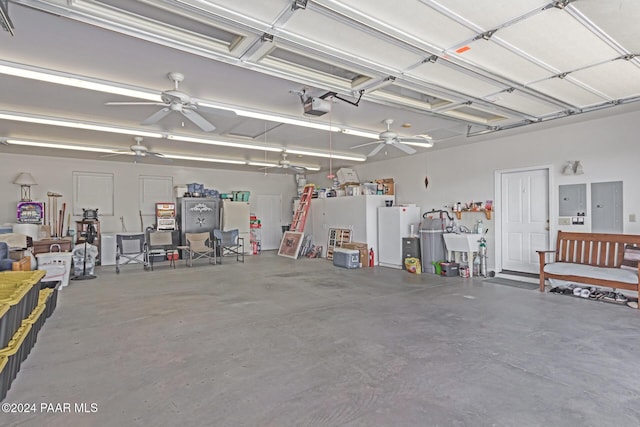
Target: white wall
{"x": 55, "y": 174}
{"x": 608, "y": 148}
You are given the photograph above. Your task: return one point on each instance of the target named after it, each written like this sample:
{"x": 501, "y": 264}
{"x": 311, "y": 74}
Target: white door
{"x": 524, "y": 219}
{"x": 268, "y": 209}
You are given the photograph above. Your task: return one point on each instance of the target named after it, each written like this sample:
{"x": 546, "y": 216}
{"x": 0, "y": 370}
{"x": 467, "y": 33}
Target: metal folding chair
{"x": 229, "y": 243}
{"x": 200, "y": 245}
{"x": 159, "y": 245}
{"x": 130, "y": 249}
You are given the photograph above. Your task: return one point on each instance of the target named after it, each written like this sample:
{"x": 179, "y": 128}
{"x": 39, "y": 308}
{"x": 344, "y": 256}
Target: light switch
{"x": 564, "y": 221}
{"x": 632, "y": 217}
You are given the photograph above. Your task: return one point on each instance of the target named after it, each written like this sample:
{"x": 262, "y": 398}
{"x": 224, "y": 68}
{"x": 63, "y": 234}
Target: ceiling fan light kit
{"x": 174, "y": 100}
{"x": 389, "y": 137}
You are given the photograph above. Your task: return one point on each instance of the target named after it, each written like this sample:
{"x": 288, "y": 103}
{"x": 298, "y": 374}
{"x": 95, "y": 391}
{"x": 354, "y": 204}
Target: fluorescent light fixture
{"x": 205, "y": 159}
{"x": 326, "y": 155}
{"x": 58, "y": 146}
{"x": 426, "y": 144}
{"x": 44, "y": 120}
{"x": 263, "y": 164}
{"x": 272, "y": 117}
{"x": 224, "y": 143}
{"x": 364, "y": 134}
{"x": 287, "y": 120}
{"x": 82, "y": 82}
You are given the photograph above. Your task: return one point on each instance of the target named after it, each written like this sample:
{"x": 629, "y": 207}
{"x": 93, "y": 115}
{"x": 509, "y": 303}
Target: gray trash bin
{"x": 431, "y": 243}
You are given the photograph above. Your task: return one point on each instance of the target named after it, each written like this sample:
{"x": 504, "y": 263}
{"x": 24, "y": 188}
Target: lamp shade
{"x": 25, "y": 178}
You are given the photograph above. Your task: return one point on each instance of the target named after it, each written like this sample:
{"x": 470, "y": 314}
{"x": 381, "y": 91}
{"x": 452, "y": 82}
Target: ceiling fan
{"x": 389, "y": 137}
{"x": 139, "y": 152}
{"x": 286, "y": 164}
{"x": 175, "y": 100}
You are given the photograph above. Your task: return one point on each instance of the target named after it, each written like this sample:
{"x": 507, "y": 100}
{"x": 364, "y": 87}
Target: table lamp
{"x": 25, "y": 181}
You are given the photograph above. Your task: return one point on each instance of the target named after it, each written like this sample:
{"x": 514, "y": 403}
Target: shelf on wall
{"x": 487, "y": 213}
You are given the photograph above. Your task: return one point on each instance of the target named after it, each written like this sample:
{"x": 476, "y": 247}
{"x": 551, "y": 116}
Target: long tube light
{"x": 224, "y": 143}
{"x": 263, "y": 164}
{"x": 44, "y": 120}
{"x": 67, "y": 79}
{"x": 354, "y": 158}
{"x": 205, "y": 159}
{"x": 42, "y": 144}
{"x": 364, "y": 134}
{"x": 272, "y": 117}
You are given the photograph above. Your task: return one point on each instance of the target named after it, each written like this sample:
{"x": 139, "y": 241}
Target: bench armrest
{"x": 543, "y": 257}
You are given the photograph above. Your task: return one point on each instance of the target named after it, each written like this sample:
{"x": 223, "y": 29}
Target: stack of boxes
{"x": 24, "y": 308}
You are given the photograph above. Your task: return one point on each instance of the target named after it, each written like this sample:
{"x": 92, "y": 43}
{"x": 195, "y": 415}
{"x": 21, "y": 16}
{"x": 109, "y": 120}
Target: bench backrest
{"x": 599, "y": 249}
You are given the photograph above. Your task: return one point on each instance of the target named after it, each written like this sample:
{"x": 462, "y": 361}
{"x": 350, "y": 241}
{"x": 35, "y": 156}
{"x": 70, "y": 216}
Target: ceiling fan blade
{"x": 136, "y": 103}
{"x": 403, "y": 147}
{"x": 366, "y": 143}
{"x": 198, "y": 120}
{"x": 157, "y": 116}
{"x": 376, "y": 150}
{"x": 160, "y": 156}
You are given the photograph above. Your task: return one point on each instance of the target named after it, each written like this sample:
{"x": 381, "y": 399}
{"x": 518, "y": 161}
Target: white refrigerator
{"x": 236, "y": 215}
{"x": 394, "y": 223}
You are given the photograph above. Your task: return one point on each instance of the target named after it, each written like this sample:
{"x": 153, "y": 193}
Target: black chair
{"x": 130, "y": 248}
{"x": 229, "y": 243}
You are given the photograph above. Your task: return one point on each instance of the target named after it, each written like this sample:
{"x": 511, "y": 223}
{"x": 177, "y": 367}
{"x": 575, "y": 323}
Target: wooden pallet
{"x": 337, "y": 236}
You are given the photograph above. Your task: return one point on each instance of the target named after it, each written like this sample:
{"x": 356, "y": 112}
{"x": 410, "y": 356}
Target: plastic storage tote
{"x": 19, "y": 290}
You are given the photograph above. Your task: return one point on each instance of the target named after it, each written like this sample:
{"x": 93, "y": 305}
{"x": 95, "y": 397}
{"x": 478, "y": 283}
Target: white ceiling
{"x": 458, "y": 69}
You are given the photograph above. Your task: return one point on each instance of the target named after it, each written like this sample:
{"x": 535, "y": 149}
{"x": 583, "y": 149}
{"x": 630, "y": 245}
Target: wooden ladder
{"x": 300, "y": 215}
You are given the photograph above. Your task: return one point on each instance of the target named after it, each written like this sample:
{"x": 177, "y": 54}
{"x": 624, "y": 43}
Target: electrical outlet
{"x": 632, "y": 217}
{"x": 564, "y": 221}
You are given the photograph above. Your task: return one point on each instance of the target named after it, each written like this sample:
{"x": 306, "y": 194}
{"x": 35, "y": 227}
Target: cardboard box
{"x": 360, "y": 247}
{"x": 387, "y": 186}
{"x": 347, "y": 176}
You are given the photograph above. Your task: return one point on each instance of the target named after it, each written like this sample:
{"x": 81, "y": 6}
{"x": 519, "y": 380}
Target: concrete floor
{"x": 278, "y": 342}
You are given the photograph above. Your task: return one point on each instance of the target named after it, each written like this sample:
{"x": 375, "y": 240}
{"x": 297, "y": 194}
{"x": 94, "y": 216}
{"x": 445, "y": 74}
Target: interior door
{"x": 268, "y": 209}
{"x": 524, "y": 219}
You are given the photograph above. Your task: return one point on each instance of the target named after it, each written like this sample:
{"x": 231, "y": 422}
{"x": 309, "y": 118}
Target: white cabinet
{"x": 394, "y": 223}
{"x": 356, "y": 213}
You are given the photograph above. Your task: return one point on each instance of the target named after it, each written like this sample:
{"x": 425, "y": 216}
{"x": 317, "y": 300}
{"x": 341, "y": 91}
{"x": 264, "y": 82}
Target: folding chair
{"x": 130, "y": 249}
{"x": 200, "y": 245}
{"x": 159, "y": 245}
{"x": 229, "y": 243}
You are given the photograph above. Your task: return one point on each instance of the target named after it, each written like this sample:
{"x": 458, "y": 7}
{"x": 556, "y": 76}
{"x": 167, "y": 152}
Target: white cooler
{"x": 57, "y": 265}
{"x": 347, "y": 258}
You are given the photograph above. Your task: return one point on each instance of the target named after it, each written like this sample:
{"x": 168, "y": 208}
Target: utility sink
{"x": 466, "y": 242}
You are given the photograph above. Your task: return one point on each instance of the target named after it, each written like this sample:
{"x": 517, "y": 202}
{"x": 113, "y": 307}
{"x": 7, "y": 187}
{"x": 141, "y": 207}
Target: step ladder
{"x": 300, "y": 215}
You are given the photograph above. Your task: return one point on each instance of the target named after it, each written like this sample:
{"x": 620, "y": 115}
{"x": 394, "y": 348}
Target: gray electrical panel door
{"x": 606, "y": 207}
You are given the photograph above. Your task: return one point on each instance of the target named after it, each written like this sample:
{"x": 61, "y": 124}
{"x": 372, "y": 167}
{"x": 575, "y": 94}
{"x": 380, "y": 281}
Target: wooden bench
{"x": 604, "y": 252}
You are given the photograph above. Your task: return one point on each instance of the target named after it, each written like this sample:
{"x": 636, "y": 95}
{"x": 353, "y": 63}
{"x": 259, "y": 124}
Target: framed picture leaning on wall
{"x": 290, "y": 245}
